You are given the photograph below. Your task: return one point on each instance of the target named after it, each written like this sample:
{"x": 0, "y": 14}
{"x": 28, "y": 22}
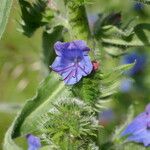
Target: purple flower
{"x": 33, "y": 142}
{"x": 139, "y": 129}
{"x": 72, "y": 61}
{"x": 139, "y": 60}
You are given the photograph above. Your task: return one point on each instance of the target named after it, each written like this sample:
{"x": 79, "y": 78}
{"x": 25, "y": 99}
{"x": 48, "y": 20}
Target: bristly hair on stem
{"x": 71, "y": 124}
{"x": 77, "y": 18}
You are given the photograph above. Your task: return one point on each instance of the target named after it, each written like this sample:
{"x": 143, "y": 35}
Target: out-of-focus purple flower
{"x": 126, "y": 85}
{"x": 139, "y": 129}
{"x": 33, "y": 142}
{"x": 72, "y": 61}
{"x": 138, "y": 6}
{"x": 136, "y": 57}
{"x": 106, "y": 117}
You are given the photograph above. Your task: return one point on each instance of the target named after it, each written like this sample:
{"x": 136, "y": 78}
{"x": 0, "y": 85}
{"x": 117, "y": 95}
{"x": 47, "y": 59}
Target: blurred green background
{"x": 21, "y": 67}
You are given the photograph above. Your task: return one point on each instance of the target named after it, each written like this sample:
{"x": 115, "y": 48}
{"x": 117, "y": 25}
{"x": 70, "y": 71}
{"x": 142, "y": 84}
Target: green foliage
{"x": 32, "y": 15}
{"x": 144, "y": 1}
{"x": 131, "y": 146}
{"x": 78, "y": 20}
{"x": 77, "y": 3}
{"x": 49, "y": 91}
{"x": 109, "y": 85}
{"x": 116, "y": 36}
{"x": 88, "y": 88}
{"x": 100, "y": 85}
{"x": 133, "y": 37}
{"x": 5, "y": 7}
{"x": 76, "y": 117}
{"x": 66, "y": 118}
{"x": 70, "y": 125}
{"x": 116, "y": 41}
{"x": 115, "y": 51}
{"x": 48, "y": 40}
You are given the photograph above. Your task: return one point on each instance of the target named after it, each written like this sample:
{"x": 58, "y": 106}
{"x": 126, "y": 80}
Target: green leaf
{"x": 79, "y": 2}
{"x": 69, "y": 125}
{"x": 111, "y": 80}
{"x": 32, "y": 15}
{"x": 5, "y": 7}
{"x": 48, "y": 40}
{"x": 50, "y": 90}
{"x": 116, "y": 71}
{"x": 114, "y": 50}
{"x": 136, "y": 36}
{"x": 131, "y": 146}
{"x": 88, "y": 88}
{"x": 144, "y": 1}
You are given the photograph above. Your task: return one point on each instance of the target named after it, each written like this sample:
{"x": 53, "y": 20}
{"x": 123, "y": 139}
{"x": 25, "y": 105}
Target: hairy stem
{"x": 77, "y": 18}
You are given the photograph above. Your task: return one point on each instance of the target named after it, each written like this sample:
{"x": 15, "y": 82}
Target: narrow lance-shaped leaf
{"x": 111, "y": 81}
{"x": 5, "y": 7}
{"x": 139, "y": 36}
{"x": 114, "y": 50}
{"x": 48, "y": 92}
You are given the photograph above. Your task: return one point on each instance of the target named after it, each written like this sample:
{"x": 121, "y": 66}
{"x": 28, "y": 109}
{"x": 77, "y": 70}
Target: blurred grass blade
{"x": 48, "y": 92}
{"x": 5, "y": 7}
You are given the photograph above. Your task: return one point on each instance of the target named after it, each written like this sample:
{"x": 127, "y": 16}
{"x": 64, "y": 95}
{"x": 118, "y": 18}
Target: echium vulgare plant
{"x": 63, "y": 115}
